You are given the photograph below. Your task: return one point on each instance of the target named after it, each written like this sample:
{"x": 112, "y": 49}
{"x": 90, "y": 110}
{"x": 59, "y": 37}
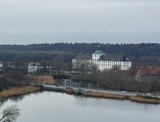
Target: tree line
{"x": 13, "y": 78}
{"x": 120, "y": 80}
{"x": 144, "y": 53}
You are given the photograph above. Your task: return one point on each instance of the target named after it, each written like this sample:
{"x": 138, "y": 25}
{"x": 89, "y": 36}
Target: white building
{"x": 102, "y": 62}
{"x": 33, "y": 67}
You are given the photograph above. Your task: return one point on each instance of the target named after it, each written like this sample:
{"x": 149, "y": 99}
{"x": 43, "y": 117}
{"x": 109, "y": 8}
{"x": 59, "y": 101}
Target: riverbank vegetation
{"x": 139, "y": 99}
{"x": 105, "y": 95}
{"x": 13, "y": 78}
{"x": 120, "y": 80}
{"x": 17, "y": 91}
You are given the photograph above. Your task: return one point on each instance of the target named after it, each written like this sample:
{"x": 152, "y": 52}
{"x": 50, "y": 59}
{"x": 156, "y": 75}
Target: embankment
{"x": 105, "y": 95}
{"x": 139, "y": 99}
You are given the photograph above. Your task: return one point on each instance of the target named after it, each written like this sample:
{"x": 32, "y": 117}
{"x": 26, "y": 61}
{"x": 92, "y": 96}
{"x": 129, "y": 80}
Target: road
{"x": 93, "y": 90}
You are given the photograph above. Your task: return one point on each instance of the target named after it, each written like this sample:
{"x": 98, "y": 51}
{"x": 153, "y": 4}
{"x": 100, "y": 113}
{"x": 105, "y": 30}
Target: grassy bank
{"x": 45, "y": 79}
{"x": 16, "y": 91}
{"x": 104, "y": 95}
{"x": 138, "y": 99}
{"x": 144, "y": 100}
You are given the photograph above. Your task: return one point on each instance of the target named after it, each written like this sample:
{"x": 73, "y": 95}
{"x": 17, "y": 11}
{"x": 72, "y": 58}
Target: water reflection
{"x": 60, "y": 107}
{"x": 18, "y": 98}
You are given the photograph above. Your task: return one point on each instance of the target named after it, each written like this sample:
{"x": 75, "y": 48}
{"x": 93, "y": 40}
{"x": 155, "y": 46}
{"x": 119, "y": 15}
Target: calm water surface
{"x": 59, "y": 107}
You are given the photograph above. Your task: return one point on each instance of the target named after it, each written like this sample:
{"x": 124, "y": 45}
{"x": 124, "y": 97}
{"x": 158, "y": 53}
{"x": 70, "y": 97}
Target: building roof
{"x": 152, "y": 71}
{"x": 33, "y": 64}
{"x": 111, "y": 57}
{"x": 82, "y": 56}
{"x": 99, "y": 52}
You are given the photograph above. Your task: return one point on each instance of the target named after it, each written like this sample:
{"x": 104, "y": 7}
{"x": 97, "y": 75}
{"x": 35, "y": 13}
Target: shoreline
{"x": 17, "y": 91}
{"x": 138, "y": 99}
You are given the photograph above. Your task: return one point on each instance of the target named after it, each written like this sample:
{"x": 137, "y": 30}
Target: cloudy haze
{"x": 105, "y": 21}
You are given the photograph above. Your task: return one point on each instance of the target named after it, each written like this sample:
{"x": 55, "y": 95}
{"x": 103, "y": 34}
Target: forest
{"x": 146, "y": 54}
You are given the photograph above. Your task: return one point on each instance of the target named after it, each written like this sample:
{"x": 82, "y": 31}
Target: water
{"x": 60, "y": 107}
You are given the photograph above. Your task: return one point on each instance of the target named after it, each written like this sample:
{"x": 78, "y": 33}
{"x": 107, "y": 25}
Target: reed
{"x": 104, "y": 95}
{"x": 144, "y": 100}
{"x": 138, "y": 99}
{"x": 17, "y": 91}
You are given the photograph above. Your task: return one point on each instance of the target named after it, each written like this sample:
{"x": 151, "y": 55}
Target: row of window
{"x": 109, "y": 65}
{"x": 96, "y": 56}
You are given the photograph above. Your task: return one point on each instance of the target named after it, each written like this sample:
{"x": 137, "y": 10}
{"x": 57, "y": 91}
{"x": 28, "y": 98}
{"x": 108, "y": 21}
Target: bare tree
{"x": 10, "y": 114}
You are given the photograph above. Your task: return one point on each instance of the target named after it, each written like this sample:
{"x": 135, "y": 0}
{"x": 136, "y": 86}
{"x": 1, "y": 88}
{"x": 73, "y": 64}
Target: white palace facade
{"x": 102, "y": 62}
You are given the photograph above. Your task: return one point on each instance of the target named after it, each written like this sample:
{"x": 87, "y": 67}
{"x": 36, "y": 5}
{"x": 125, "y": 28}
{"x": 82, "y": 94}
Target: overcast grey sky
{"x": 105, "y": 21}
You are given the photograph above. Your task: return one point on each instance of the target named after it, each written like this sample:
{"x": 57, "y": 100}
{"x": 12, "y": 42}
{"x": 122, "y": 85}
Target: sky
{"x": 91, "y": 21}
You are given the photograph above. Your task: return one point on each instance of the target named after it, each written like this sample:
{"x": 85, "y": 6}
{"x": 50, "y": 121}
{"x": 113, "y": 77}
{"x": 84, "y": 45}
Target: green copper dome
{"x": 99, "y": 52}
